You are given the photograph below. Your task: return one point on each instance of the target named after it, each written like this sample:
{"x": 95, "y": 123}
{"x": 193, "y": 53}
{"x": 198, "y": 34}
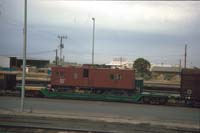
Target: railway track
{"x": 39, "y": 124}
{"x": 26, "y": 129}
{"x": 162, "y": 85}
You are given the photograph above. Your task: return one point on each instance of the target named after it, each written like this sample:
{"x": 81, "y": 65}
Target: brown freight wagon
{"x": 7, "y": 80}
{"x": 89, "y": 77}
{"x": 190, "y": 84}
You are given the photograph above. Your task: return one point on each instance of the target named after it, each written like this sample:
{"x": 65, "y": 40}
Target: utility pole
{"x": 61, "y": 46}
{"x": 56, "y": 57}
{"x": 24, "y": 57}
{"x": 63, "y": 59}
{"x": 93, "y": 40}
{"x": 185, "y": 63}
{"x": 180, "y": 65}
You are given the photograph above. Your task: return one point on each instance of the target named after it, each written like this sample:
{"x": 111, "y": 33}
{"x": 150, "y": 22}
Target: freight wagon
{"x": 190, "y": 86}
{"x": 92, "y": 83}
{"x": 93, "y": 80}
{"x": 8, "y": 83}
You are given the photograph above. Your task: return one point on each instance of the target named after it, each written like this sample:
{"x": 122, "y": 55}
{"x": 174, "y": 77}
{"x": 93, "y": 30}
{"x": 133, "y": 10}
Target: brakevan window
{"x": 112, "y": 77}
{"x": 118, "y": 77}
{"x": 115, "y": 77}
{"x": 85, "y": 73}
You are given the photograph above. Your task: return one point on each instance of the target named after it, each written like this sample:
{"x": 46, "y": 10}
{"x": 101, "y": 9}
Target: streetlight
{"x": 93, "y": 19}
{"x": 24, "y": 56}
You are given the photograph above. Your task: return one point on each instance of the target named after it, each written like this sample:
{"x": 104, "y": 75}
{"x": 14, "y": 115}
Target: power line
{"x": 41, "y": 52}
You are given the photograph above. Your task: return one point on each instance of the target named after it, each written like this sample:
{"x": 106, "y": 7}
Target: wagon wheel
{"x": 163, "y": 101}
{"x": 146, "y": 100}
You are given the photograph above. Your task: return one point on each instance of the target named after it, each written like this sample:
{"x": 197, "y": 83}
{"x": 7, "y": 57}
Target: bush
{"x": 168, "y": 77}
{"x": 146, "y": 76}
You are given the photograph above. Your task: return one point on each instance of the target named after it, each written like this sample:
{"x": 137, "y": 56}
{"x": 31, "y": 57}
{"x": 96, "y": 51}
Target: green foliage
{"x": 168, "y": 76}
{"x": 142, "y": 67}
{"x": 147, "y": 76}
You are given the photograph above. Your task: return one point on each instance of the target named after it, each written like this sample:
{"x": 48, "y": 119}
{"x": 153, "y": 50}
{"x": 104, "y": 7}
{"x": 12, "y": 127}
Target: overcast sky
{"x": 156, "y": 30}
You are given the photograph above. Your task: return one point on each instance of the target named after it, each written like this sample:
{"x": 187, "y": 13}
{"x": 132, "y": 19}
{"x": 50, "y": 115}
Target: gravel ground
{"x": 104, "y": 116}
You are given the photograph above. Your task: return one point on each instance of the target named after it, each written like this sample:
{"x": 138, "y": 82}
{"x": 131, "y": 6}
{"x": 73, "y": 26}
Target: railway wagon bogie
{"x": 154, "y": 98}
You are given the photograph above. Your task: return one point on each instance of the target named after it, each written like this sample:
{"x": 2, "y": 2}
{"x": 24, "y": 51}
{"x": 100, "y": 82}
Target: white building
{"x": 120, "y": 63}
{"x": 4, "y": 61}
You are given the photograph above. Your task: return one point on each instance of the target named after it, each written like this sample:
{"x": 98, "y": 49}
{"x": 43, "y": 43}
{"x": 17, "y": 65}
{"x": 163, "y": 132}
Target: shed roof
{"x": 165, "y": 69}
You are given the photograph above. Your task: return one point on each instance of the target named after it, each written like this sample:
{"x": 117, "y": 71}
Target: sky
{"x": 154, "y": 30}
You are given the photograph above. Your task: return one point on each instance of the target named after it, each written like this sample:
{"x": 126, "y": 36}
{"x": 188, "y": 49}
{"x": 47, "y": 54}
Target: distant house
{"x": 70, "y": 64}
{"x": 165, "y": 71}
{"x": 4, "y": 62}
{"x": 17, "y": 62}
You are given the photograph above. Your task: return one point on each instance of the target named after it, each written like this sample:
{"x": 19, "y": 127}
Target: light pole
{"x": 24, "y": 57}
{"x": 93, "y": 19}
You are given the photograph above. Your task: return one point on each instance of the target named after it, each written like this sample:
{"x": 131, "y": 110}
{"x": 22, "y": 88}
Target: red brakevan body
{"x": 93, "y": 77}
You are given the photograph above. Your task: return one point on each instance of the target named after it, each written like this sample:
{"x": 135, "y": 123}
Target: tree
{"x": 142, "y": 67}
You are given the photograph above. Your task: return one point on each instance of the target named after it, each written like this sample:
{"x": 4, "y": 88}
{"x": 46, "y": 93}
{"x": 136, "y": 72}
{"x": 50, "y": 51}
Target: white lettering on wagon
{"x": 62, "y": 81}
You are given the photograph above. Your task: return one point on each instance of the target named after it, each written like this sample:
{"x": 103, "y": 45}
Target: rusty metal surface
{"x": 7, "y": 81}
{"x": 97, "y": 77}
{"x": 190, "y": 83}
